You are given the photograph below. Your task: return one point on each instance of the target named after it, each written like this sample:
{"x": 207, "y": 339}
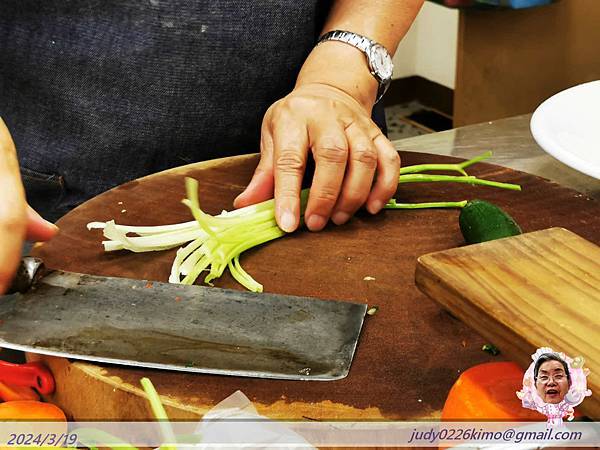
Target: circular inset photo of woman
{"x": 554, "y": 384}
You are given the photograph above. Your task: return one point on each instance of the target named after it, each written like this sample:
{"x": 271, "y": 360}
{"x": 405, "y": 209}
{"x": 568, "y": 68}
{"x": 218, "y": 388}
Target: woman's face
{"x": 552, "y": 383}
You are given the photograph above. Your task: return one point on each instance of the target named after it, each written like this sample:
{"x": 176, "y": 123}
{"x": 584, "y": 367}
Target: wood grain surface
{"x": 539, "y": 289}
{"x": 410, "y": 352}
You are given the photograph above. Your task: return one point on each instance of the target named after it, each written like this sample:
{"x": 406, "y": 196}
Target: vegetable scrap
{"x": 491, "y": 349}
{"x": 372, "y": 310}
{"x": 413, "y": 174}
{"x": 392, "y": 204}
{"x": 91, "y": 437}
{"x": 214, "y": 243}
{"x": 159, "y": 412}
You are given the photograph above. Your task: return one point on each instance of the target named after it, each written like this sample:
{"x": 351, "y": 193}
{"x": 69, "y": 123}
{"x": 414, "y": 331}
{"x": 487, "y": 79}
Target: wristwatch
{"x": 380, "y": 61}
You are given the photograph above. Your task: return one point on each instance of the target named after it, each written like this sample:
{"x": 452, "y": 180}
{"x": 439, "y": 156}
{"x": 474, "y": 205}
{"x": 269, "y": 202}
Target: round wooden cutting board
{"x": 410, "y": 352}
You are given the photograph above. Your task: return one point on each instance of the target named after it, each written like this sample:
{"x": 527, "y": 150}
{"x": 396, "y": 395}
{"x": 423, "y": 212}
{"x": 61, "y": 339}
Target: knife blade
{"x": 178, "y": 327}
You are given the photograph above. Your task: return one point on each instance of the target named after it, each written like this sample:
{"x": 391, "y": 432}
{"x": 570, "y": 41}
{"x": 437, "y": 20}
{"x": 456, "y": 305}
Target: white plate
{"x": 567, "y": 126}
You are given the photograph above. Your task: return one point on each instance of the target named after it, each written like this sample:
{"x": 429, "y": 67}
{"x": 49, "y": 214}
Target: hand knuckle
{"x": 393, "y": 158}
{"x": 353, "y": 199}
{"x": 326, "y": 194}
{"x": 367, "y": 124}
{"x": 277, "y": 114}
{"x": 367, "y": 155}
{"x": 286, "y": 192}
{"x": 270, "y": 110}
{"x": 297, "y": 102}
{"x": 290, "y": 160}
{"x": 336, "y": 105}
{"x": 332, "y": 152}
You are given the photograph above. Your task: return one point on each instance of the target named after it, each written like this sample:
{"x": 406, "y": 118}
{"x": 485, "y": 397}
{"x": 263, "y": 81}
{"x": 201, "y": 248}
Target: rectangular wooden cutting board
{"x": 539, "y": 289}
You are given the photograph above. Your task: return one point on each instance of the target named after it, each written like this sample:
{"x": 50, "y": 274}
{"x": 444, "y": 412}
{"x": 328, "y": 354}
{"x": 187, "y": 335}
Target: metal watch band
{"x": 365, "y": 45}
{"x": 356, "y": 40}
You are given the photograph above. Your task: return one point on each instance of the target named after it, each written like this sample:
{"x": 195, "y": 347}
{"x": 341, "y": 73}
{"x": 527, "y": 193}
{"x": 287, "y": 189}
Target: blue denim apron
{"x": 97, "y": 93}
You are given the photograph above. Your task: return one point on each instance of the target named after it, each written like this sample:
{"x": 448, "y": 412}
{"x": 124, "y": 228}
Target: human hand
{"x": 355, "y": 163}
{"x": 18, "y": 221}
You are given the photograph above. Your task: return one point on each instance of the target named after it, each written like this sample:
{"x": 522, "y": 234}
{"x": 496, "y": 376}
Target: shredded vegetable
{"x": 210, "y": 244}
{"x": 161, "y": 415}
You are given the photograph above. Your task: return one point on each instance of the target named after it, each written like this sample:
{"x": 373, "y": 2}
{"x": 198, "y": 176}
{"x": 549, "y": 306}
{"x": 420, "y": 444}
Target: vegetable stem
{"x": 452, "y": 167}
{"x": 160, "y": 414}
{"x": 428, "y": 167}
{"x": 425, "y": 178}
{"x": 476, "y": 159}
{"x": 392, "y": 204}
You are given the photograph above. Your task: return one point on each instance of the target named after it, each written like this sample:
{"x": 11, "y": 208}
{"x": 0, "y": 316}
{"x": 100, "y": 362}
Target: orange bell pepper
{"x": 488, "y": 392}
{"x": 29, "y": 410}
{"x": 11, "y": 392}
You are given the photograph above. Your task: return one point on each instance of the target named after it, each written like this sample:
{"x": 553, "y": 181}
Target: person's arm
{"x": 18, "y": 220}
{"x": 328, "y": 113}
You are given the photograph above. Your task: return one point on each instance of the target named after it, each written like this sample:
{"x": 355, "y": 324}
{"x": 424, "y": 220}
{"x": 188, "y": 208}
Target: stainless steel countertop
{"x": 513, "y": 146}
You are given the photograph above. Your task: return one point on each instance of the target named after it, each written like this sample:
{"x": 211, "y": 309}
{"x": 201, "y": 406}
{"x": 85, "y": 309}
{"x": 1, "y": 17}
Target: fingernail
{"x": 287, "y": 221}
{"x": 34, "y": 215}
{"x": 54, "y": 227}
{"x": 316, "y": 222}
{"x": 375, "y": 206}
{"x": 340, "y": 217}
{"x": 236, "y": 200}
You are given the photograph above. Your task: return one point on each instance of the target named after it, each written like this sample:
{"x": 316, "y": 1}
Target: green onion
{"x": 455, "y": 167}
{"x": 425, "y": 178}
{"x": 161, "y": 415}
{"x": 392, "y": 204}
{"x": 212, "y": 244}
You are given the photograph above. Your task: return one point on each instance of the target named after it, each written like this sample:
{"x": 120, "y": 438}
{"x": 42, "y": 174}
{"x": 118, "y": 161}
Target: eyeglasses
{"x": 545, "y": 379}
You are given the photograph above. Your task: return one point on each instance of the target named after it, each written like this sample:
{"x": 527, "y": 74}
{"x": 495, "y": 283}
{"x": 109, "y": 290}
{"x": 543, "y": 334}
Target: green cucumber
{"x": 482, "y": 221}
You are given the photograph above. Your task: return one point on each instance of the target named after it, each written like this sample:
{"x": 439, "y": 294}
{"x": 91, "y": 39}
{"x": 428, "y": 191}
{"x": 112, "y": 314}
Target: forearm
{"x": 343, "y": 66}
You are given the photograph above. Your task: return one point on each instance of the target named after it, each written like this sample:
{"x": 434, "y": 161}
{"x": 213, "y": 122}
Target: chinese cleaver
{"x": 177, "y": 327}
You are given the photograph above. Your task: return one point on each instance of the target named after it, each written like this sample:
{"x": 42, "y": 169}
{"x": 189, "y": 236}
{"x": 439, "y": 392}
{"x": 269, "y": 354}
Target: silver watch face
{"x": 381, "y": 62}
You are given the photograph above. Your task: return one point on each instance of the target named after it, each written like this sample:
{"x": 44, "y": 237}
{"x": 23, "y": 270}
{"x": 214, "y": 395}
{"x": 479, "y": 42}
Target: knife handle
{"x": 28, "y": 271}
{"x": 33, "y": 374}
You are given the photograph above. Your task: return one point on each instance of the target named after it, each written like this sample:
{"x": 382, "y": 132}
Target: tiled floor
{"x": 413, "y": 119}
{"x": 398, "y": 126}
